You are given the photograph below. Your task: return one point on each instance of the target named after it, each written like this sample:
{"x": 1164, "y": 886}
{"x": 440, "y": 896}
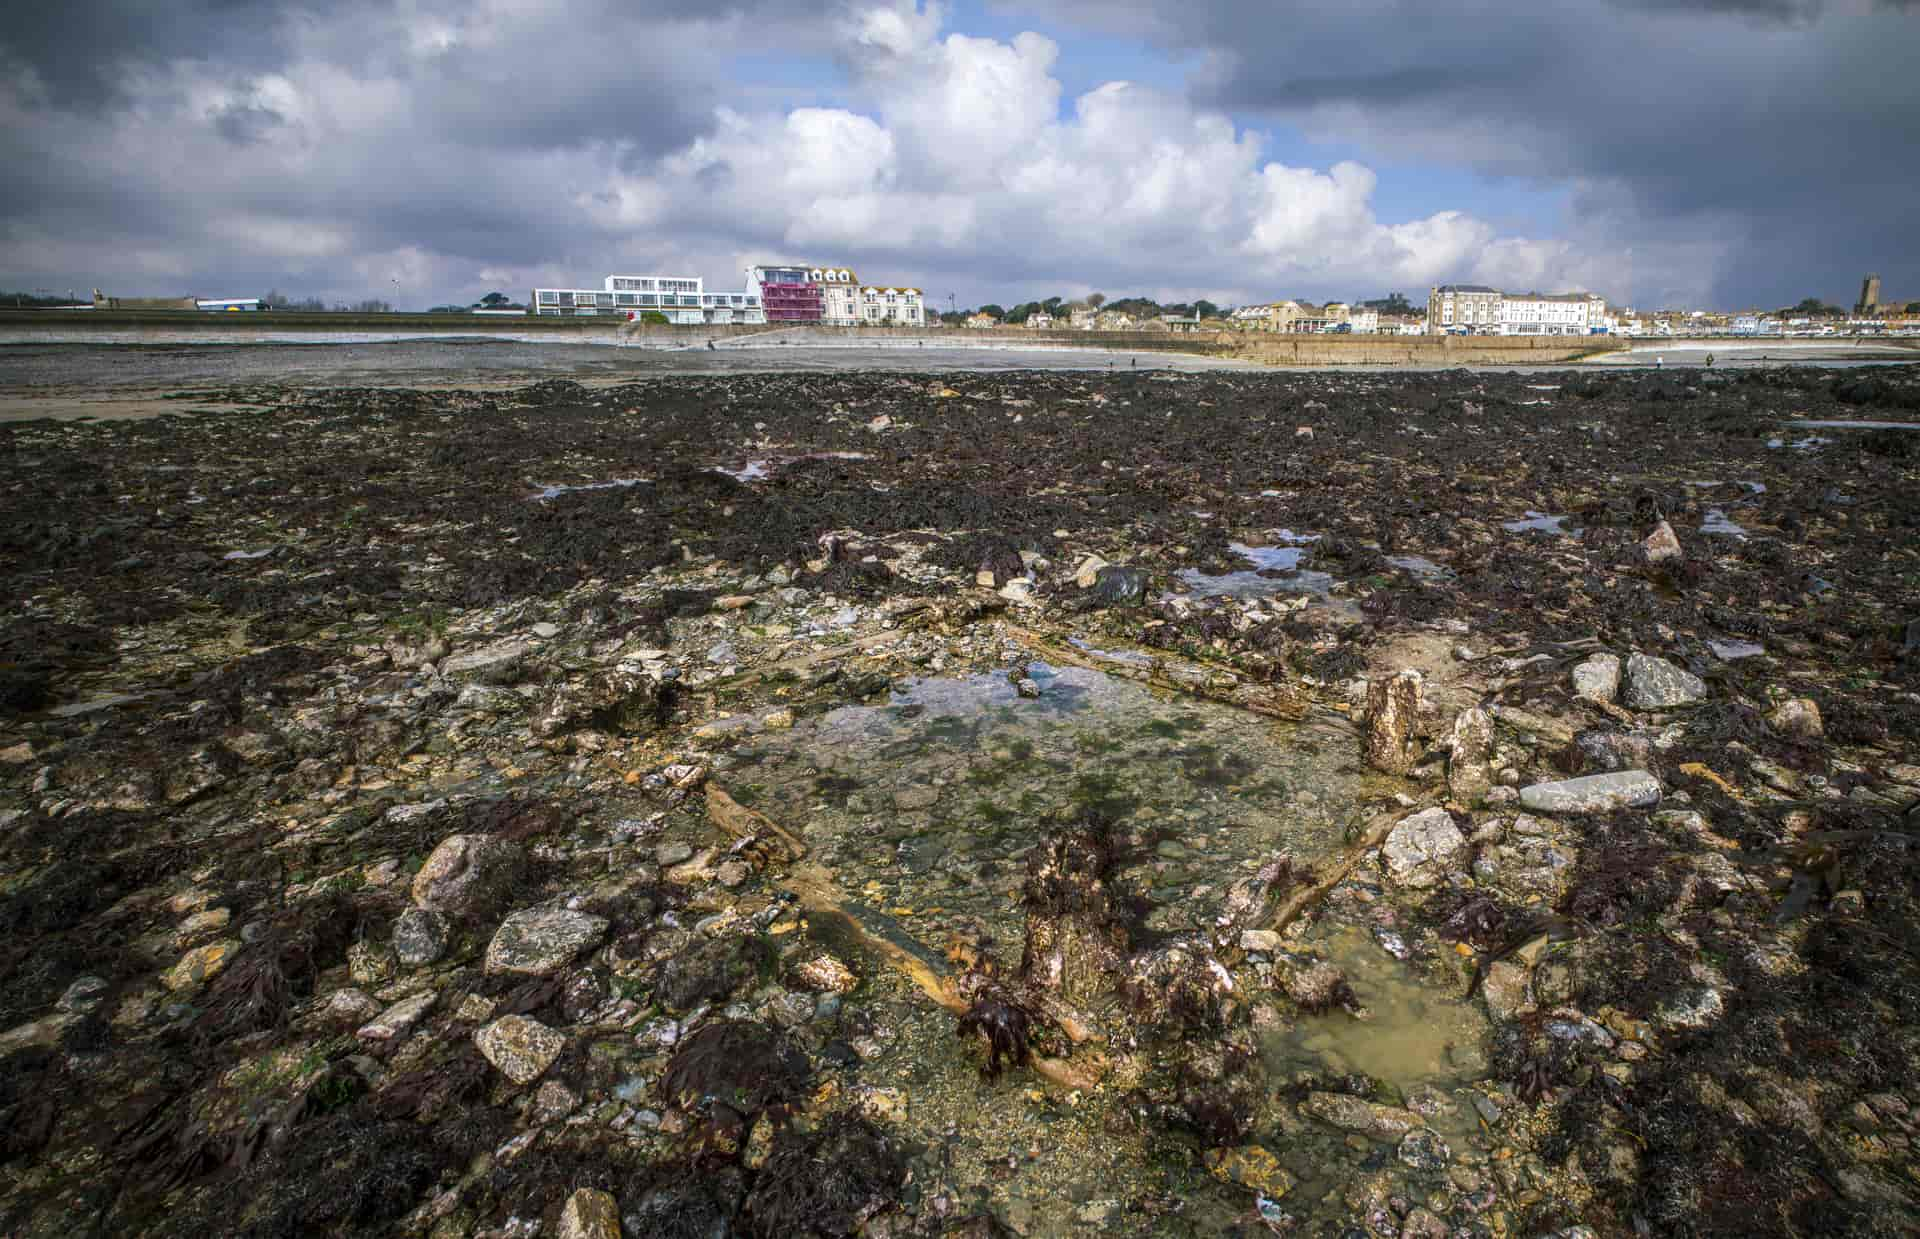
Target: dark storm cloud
{"x": 220, "y": 142}
{"x": 1766, "y": 10}
{"x": 1784, "y": 129}
{"x": 80, "y": 49}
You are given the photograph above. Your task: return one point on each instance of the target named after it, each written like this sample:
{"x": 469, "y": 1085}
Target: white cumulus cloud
{"x": 956, "y": 159}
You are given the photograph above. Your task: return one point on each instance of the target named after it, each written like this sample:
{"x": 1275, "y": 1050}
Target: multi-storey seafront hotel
{"x": 789, "y": 295}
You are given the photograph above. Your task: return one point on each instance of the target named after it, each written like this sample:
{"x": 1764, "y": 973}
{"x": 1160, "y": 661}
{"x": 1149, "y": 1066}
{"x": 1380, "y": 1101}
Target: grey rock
{"x": 1393, "y": 710}
{"x": 722, "y": 654}
{"x": 1662, "y": 545}
{"x": 541, "y": 941}
{"x": 502, "y": 662}
{"x": 419, "y": 937}
{"x": 397, "y": 1020}
{"x": 673, "y": 853}
{"x": 546, "y": 631}
{"x": 1655, "y": 684}
{"x": 1355, "y": 1114}
{"x": 1259, "y": 940}
{"x": 1420, "y": 849}
{"x": 1596, "y": 793}
{"x": 1598, "y": 678}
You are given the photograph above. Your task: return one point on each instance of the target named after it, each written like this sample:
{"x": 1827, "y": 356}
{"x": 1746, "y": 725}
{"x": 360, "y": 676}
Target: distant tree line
{"x": 277, "y": 300}
{"x": 32, "y": 301}
{"x": 1061, "y": 308}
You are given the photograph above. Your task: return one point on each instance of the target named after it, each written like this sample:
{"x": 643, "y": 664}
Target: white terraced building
{"x": 680, "y": 298}
{"x": 1541, "y": 314}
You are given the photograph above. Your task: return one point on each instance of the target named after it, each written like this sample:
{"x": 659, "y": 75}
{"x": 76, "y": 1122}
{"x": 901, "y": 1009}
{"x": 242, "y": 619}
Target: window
{"x": 627, "y": 299}
{"x": 549, "y": 298}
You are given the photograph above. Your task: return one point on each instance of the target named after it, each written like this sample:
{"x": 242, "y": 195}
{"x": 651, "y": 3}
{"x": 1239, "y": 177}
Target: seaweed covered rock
{"x": 1218, "y": 1087}
{"x": 1318, "y": 988}
{"x": 1180, "y": 986}
{"x": 623, "y": 700}
{"x": 701, "y": 1206}
{"x": 1114, "y": 586}
{"x": 1076, "y": 937}
{"x": 708, "y": 972}
{"x": 826, "y": 1182}
{"x": 467, "y": 875}
{"x": 743, "y": 1064}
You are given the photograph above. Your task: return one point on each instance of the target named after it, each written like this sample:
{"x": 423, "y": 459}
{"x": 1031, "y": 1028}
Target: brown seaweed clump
{"x": 745, "y": 1065}
{"x": 827, "y": 1182}
{"x": 1005, "y": 1022}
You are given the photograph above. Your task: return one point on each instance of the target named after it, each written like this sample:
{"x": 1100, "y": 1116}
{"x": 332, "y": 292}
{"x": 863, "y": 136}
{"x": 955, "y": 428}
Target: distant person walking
{"x": 1659, "y": 363}
{"x": 1709, "y": 361}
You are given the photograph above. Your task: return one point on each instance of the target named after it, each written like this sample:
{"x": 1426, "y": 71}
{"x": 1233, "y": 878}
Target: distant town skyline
{"x": 1724, "y": 154}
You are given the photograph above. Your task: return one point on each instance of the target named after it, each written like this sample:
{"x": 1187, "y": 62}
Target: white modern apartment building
{"x": 1471, "y": 308}
{"x": 1543, "y": 314}
{"x": 680, "y": 298}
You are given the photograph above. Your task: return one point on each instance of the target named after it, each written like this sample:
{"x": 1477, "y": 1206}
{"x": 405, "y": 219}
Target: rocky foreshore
{"x": 967, "y": 805}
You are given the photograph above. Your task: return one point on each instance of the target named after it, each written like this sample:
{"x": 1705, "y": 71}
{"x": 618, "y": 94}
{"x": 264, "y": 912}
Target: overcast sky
{"x": 1721, "y": 153}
